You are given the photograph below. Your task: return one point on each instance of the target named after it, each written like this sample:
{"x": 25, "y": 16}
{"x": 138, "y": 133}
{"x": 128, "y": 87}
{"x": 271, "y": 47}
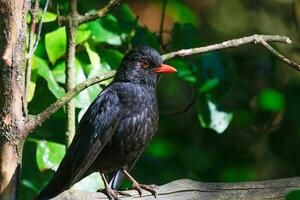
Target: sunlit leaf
{"x": 59, "y": 72}
{"x": 210, "y": 116}
{"x": 271, "y": 100}
{"x": 48, "y": 17}
{"x": 44, "y": 71}
{"x": 82, "y": 36}
{"x": 100, "y": 34}
{"x": 56, "y": 42}
{"x": 31, "y": 90}
{"x": 49, "y": 154}
{"x": 90, "y": 183}
{"x": 93, "y": 56}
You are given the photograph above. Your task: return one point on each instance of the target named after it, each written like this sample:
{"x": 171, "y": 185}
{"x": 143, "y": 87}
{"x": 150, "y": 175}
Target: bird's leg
{"x": 138, "y": 187}
{"x": 111, "y": 194}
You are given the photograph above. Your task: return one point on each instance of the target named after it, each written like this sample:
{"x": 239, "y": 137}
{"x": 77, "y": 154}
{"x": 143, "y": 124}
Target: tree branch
{"x": 280, "y": 56}
{"x": 228, "y": 44}
{"x": 33, "y": 121}
{"x": 71, "y": 29}
{"x": 33, "y": 13}
{"x": 36, "y": 120}
{"x": 100, "y": 13}
{"x": 193, "y": 190}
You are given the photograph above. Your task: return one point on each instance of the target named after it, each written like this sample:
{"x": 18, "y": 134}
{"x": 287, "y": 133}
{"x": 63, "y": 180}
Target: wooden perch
{"x": 192, "y": 190}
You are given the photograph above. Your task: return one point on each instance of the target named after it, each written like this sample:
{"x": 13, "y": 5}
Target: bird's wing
{"x": 95, "y": 129}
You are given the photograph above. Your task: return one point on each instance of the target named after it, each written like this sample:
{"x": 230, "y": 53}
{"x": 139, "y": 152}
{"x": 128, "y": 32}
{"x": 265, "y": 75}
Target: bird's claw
{"x": 113, "y": 194}
{"x": 150, "y": 188}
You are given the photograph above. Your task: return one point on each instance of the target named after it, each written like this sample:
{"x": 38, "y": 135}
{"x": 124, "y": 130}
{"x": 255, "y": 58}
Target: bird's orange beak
{"x": 164, "y": 69}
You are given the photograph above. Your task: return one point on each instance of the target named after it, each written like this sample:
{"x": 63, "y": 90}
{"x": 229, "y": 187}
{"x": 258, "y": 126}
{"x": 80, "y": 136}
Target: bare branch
{"x": 71, "y": 29}
{"x": 280, "y": 56}
{"x": 33, "y": 14}
{"x": 227, "y": 44}
{"x": 34, "y": 121}
{"x": 39, "y": 30}
{"x": 100, "y": 13}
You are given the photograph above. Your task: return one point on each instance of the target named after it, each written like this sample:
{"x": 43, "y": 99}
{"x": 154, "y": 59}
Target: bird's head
{"x": 142, "y": 64}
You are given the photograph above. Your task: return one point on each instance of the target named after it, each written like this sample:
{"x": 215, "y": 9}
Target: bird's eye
{"x": 144, "y": 63}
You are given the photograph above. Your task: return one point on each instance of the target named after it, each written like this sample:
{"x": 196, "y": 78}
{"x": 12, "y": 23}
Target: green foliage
{"x": 44, "y": 71}
{"x": 49, "y": 154}
{"x": 293, "y": 195}
{"x": 271, "y": 100}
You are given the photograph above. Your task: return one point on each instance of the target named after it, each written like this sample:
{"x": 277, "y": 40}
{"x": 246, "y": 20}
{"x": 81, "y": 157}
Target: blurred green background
{"x": 230, "y": 115}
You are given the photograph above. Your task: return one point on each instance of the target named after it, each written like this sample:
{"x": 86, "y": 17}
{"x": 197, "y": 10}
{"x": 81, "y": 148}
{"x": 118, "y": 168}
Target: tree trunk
{"x": 12, "y": 117}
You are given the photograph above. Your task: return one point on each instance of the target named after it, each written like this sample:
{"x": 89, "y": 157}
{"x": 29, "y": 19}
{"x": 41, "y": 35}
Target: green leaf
{"x": 82, "y": 36}
{"x": 99, "y": 34}
{"x": 209, "y": 85}
{"x": 48, "y": 17}
{"x": 293, "y": 195}
{"x": 112, "y": 57}
{"x": 59, "y": 72}
{"x": 126, "y": 13}
{"x": 93, "y": 56}
{"x": 29, "y": 185}
{"x": 271, "y": 100}
{"x": 49, "y": 154}
{"x": 210, "y": 116}
{"x": 56, "y": 42}
{"x": 90, "y": 183}
{"x": 31, "y": 91}
{"x": 86, "y": 97}
{"x": 183, "y": 70}
{"x": 44, "y": 71}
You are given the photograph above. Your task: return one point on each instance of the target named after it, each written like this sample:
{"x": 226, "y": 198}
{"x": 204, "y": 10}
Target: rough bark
{"x": 193, "y": 190}
{"x": 12, "y": 43}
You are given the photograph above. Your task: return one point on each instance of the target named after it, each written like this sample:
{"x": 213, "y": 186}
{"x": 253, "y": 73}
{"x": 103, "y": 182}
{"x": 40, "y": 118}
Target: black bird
{"x": 116, "y": 128}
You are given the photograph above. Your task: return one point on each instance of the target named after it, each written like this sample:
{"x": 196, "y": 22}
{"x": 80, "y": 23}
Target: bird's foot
{"x": 139, "y": 187}
{"x": 113, "y": 194}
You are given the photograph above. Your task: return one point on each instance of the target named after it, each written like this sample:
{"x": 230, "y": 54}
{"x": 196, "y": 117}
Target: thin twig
{"x": 33, "y": 14}
{"x": 280, "y": 56}
{"x": 34, "y": 121}
{"x": 228, "y": 44}
{"x": 100, "y": 13}
{"x": 39, "y": 30}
